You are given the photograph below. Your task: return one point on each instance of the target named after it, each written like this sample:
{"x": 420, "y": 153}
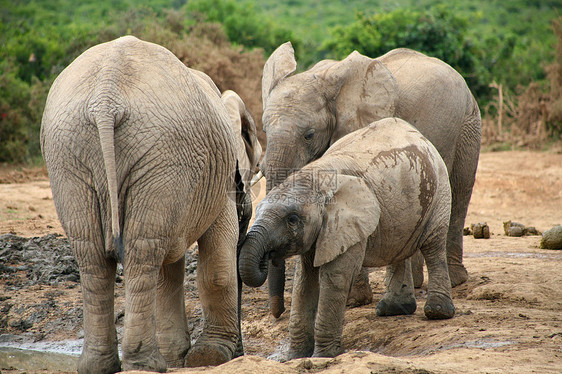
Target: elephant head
{"x": 299, "y": 216}
{"x": 305, "y": 113}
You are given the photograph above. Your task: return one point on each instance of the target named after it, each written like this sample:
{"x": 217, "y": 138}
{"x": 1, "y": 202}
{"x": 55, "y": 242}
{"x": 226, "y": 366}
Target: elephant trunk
{"x": 253, "y": 259}
{"x": 276, "y": 171}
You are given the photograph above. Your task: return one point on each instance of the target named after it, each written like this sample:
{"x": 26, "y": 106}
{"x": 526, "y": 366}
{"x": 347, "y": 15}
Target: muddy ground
{"x": 508, "y": 313}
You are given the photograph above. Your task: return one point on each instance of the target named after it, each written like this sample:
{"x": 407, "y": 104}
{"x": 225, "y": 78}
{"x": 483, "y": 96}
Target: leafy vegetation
{"x": 508, "y": 45}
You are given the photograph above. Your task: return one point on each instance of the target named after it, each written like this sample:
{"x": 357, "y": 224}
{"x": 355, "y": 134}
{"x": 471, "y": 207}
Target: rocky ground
{"x": 508, "y": 313}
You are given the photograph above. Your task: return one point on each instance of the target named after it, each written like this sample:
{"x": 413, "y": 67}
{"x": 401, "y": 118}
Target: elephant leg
{"x": 360, "y": 293}
{"x": 417, "y": 269}
{"x": 335, "y": 282}
{"x": 399, "y": 296}
{"x": 276, "y": 287}
{"x": 217, "y": 285}
{"x": 439, "y": 304}
{"x": 303, "y": 307}
{"x": 462, "y": 179}
{"x": 80, "y": 216}
{"x": 143, "y": 259}
{"x": 171, "y": 323}
{"x": 97, "y": 278}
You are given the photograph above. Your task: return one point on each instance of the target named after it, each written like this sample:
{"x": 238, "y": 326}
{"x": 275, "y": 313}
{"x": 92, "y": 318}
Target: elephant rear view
{"x": 142, "y": 156}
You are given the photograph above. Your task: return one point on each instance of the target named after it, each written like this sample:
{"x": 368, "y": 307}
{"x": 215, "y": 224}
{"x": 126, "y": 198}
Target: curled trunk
{"x": 253, "y": 260}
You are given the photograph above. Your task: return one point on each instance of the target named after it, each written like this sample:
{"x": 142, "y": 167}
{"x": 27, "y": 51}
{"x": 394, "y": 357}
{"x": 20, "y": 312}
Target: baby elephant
{"x": 374, "y": 198}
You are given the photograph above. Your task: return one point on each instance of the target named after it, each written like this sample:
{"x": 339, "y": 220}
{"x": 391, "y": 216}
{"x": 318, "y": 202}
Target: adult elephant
{"x": 142, "y": 156}
{"x": 305, "y": 113}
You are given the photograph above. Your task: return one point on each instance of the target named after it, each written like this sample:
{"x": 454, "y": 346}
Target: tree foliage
{"x": 437, "y": 32}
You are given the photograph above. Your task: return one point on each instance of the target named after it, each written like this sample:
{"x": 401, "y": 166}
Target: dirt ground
{"x": 508, "y": 315}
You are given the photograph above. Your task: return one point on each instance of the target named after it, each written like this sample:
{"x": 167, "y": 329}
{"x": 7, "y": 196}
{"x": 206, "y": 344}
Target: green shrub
{"x": 437, "y": 32}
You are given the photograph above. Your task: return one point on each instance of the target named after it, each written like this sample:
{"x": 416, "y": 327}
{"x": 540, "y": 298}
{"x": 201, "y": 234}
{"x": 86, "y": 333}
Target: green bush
{"x": 243, "y": 23}
{"x": 437, "y": 32}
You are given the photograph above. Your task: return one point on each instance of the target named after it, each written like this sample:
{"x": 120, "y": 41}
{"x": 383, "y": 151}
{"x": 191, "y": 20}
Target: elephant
{"x": 145, "y": 157}
{"x": 307, "y": 112}
{"x": 374, "y": 197}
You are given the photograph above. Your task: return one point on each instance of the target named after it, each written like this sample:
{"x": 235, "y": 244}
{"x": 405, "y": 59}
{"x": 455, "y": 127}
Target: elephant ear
{"x": 206, "y": 82}
{"x": 352, "y": 215}
{"x": 248, "y": 148}
{"x": 367, "y": 93}
{"x": 278, "y": 66}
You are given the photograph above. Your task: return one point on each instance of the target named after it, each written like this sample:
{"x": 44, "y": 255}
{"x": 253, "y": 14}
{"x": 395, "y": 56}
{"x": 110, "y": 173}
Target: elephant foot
{"x": 394, "y": 305}
{"x": 174, "y": 350}
{"x": 151, "y": 362}
{"x": 207, "y": 355}
{"x": 439, "y": 306}
{"x": 458, "y": 274}
{"x": 293, "y": 354}
{"x": 360, "y": 293}
{"x": 99, "y": 363}
{"x": 332, "y": 350}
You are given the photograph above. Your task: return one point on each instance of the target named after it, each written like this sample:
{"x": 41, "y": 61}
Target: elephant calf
{"x": 374, "y": 198}
{"x": 145, "y": 157}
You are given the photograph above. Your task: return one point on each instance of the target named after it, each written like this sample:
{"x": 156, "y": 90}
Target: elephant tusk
{"x": 256, "y": 178}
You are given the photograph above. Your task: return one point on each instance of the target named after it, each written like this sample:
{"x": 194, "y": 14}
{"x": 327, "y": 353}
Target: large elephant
{"x": 142, "y": 156}
{"x": 374, "y": 198}
{"x": 305, "y": 113}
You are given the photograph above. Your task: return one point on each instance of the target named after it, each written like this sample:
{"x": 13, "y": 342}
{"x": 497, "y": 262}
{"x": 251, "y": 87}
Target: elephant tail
{"x": 106, "y": 121}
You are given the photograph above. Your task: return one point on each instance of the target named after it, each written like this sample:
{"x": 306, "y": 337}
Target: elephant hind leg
{"x": 171, "y": 324}
{"x": 462, "y": 179}
{"x": 361, "y": 292}
{"x": 79, "y": 213}
{"x": 399, "y": 297}
{"x": 143, "y": 259}
{"x": 217, "y": 286}
{"x": 97, "y": 277}
{"x": 439, "y": 304}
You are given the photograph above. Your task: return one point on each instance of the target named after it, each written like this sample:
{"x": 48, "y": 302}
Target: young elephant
{"x": 145, "y": 157}
{"x": 374, "y": 198}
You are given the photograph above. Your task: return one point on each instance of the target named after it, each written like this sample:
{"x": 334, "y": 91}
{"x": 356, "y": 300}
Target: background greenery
{"x": 508, "y": 43}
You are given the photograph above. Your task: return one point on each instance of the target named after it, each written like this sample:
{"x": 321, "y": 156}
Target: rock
{"x": 467, "y": 231}
{"x": 552, "y": 239}
{"x": 481, "y": 230}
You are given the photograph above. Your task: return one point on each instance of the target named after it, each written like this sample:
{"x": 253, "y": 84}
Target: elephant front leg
{"x": 217, "y": 285}
{"x": 335, "y": 282}
{"x": 399, "y": 296}
{"x": 97, "y": 278}
{"x": 303, "y": 307}
{"x": 171, "y": 324}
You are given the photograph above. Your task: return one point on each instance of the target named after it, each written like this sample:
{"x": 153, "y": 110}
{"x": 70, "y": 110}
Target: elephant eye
{"x": 309, "y": 135}
{"x": 293, "y": 219}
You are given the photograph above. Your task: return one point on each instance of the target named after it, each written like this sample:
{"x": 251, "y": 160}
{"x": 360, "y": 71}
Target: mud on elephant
{"x": 374, "y": 198}
{"x": 307, "y": 112}
{"x": 145, "y": 157}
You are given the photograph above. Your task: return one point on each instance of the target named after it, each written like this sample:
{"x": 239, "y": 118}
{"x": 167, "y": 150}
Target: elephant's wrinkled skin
{"x": 306, "y": 112}
{"x": 142, "y": 156}
{"x": 374, "y": 198}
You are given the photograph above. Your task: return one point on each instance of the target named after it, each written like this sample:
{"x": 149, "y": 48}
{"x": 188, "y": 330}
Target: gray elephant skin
{"x": 307, "y": 112}
{"x": 142, "y": 157}
{"x": 374, "y": 198}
